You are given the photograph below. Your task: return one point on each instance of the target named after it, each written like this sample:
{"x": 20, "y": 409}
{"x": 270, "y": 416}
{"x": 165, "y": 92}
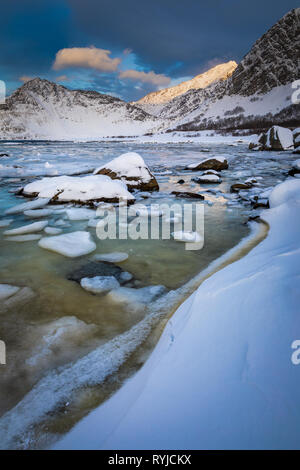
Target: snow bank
{"x": 221, "y": 375}
{"x": 79, "y": 189}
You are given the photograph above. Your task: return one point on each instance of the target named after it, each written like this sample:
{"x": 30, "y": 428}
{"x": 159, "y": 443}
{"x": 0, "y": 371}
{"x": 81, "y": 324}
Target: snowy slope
{"x": 221, "y": 375}
{"x": 43, "y": 110}
{"x": 155, "y": 101}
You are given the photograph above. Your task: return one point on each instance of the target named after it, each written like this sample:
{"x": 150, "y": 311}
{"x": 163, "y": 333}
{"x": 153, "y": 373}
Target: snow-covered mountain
{"x": 154, "y": 102}
{"x": 257, "y": 94}
{"x": 44, "y": 110}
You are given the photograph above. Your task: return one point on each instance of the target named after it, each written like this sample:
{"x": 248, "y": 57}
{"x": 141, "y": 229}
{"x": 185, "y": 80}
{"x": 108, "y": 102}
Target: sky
{"x": 127, "y": 48}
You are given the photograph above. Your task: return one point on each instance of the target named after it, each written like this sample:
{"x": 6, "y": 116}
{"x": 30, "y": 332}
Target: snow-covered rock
{"x": 69, "y": 244}
{"x": 24, "y": 229}
{"x": 99, "y": 284}
{"x": 83, "y": 190}
{"x": 130, "y": 168}
{"x": 277, "y": 138}
{"x": 208, "y": 179}
{"x": 216, "y": 163}
{"x": 296, "y": 137}
{"x": 295, "y": 169}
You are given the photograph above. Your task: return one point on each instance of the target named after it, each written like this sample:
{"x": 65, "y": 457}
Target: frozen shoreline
{"x": 221, "y": 375}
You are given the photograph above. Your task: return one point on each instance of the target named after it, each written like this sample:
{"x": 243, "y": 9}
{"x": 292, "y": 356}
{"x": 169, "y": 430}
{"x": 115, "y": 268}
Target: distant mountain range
{"x": 255, "y": 94}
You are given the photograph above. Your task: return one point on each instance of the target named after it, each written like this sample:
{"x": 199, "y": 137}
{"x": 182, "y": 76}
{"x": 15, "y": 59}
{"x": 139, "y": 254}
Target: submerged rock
{"x": 99, "y": 284}
{"x": 130, "y": 168}
{"x": 235, "y": 188}
{"x": 93, "y": 269}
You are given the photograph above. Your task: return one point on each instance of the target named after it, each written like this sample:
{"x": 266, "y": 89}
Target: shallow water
{"x": 37, "y": 347}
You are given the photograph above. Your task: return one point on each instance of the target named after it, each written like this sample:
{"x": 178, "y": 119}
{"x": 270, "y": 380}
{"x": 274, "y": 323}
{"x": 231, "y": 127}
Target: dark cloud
{"x": 174, "y": 38}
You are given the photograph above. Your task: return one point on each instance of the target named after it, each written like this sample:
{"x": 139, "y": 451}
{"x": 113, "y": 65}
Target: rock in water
{"x": 83, "y": 190}
{"x": 130, "y": 168}
{"x": 277, "y": 138}
{"x": 69, "y": 244}
{"x": 116, "y": 257}
{"x": 93, "y": 269}
{"x": 188, "y": 195}
{"x": 216, "y": 163}
{"x": 99, "y": 284}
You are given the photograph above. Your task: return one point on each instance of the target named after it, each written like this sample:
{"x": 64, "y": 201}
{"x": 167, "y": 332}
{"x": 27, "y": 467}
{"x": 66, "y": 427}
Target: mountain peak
{"x": 203, "y": 80}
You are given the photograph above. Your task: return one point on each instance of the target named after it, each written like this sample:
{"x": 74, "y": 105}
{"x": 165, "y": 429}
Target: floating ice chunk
{"x": 6, "y": 290}
{"x": 35, "y": 204}
{"x": 188, "y": 236}
{"x": 80, "y": 214}
{"x": 94, "y": 222}
{"x": 31, "y": 228}
{"x": 116, "y": 257}
{"x": 37, "y": 213}
{"x": 135, "y": 298}
{"x": 52, "y": 230}
{"x": 24, "y": 238}
{"x": 70, "y": 244}
{"x": 99, "y": 284}
{"x": 5, "y": 222}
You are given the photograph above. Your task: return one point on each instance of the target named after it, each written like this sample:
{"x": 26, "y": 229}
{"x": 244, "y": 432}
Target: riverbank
{"x": 221, "y": 375}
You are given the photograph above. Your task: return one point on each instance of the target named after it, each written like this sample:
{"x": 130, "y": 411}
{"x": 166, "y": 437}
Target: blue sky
{"x": 127, "y": 48}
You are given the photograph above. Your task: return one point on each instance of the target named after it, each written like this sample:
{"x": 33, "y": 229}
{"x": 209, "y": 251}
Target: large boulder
{"x": 132, "y": 170}
{"x": 277, "y": 138}
{"x": 81, "y": 190}
{"x": 216, "y": 163}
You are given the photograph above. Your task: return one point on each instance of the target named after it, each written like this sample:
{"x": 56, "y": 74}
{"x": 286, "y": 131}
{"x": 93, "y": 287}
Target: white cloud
{"x": 88, "y": 57}
{"x": 146, "y": 77}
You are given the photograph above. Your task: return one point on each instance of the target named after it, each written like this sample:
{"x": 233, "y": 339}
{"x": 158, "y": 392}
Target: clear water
{"x": 36, "y": 348}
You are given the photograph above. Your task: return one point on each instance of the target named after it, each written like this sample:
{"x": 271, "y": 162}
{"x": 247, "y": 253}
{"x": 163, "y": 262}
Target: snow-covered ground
{"x": 221, "y": 375}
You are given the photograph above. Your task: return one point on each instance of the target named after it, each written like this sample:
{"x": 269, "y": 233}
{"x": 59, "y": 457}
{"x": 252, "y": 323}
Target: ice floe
{"x": 24, "y": 229}
{"x": 35, "y": 204}
{"x": 116, "y": 257}
{"x": 69, "y": 244}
